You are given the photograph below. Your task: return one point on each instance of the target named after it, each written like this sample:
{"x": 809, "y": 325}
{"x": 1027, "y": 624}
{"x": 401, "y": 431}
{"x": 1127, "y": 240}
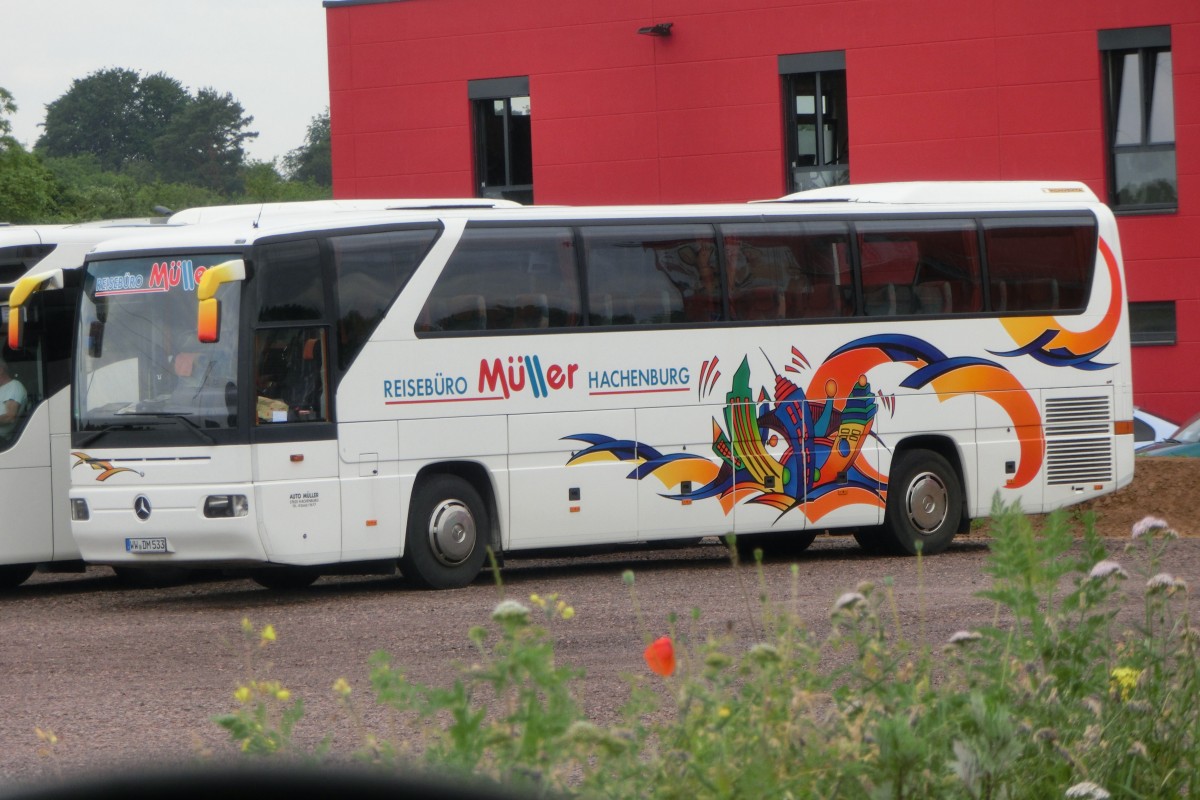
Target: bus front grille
{"x": 1079, "y": 442}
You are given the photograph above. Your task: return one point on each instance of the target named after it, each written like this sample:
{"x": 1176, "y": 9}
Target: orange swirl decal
{"x": 1045, "y": 340}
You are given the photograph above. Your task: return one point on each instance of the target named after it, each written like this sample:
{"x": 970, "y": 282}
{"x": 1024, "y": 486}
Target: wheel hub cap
{"x": 927, "y": 502}
{"x": 452, "y": 532}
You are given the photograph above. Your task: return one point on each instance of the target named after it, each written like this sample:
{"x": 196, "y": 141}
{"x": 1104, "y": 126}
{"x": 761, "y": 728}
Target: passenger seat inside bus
{"x": 465, "y": 312}
{"x": 933, "y": 297}
{"x": 532, "y": 311}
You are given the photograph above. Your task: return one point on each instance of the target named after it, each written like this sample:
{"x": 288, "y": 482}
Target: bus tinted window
{"x": 371, "y": 271}
{"x": 651, "y": 274}
{"x": 289, "y": 281}
{"x": 506, "y": 279}
{"x": 920, "y": 267}
{"x": 1040, "y": 264}
{"x": 788, "y": 270}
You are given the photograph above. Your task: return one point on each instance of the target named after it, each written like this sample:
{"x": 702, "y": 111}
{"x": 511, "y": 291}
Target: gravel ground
{"x": 128, "y": 677}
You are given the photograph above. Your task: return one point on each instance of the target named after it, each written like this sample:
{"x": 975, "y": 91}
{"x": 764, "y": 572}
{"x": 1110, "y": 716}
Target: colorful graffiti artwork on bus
{"x": 791, "y": 447}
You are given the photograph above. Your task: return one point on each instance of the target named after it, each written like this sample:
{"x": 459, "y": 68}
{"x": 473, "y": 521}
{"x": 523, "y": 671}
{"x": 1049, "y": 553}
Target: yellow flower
{"x": 723, "y": 712}
{"x": 537, "y": 600}
{"x": 282, "y": 694}
{"x": 246, "y": 626}
{"x": 1124, "y": 680}
{"x": 242, "y": 695}
{"x": 340, "y": 686}
{"x": 568, "y": 612}
{"x": 268, "y": 633}
{"x": 46, "y": 736}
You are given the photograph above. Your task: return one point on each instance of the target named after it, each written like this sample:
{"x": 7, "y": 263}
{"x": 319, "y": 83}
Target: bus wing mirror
{"x": 22, "y": 291}
{"x": 208, "y": 316}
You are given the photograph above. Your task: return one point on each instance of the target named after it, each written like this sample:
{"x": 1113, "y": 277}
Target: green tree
{"x": 312, "y": 161}
{"x": 26, "y": 187}
{"x": 204, "y": 143}
{"x": 112, "y": 114}
{"x": 7, "y": 106}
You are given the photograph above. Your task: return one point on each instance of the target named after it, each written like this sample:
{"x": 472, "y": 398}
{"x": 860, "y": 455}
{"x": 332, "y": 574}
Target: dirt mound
{"x": 1163, "y": 487}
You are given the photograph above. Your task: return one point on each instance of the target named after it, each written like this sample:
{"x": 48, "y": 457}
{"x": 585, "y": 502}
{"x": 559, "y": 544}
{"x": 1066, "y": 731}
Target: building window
{"x": 1152, "y": 322}
{"x": 503, "y": 138}
{"x": 816, "y": 136}
{"x": 1140, "y": 124}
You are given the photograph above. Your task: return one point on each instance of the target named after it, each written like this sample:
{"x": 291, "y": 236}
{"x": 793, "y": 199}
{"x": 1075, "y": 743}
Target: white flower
{"x": 962, "y": 637}
{"x": 1088, "y": 791}
{"x": 1106, "y": 568}
{"x": 849, "y": 600}
{"x": 1161, "y": 581}
{"x": 510, "y": 609}
{"x": 1149, "y": 524}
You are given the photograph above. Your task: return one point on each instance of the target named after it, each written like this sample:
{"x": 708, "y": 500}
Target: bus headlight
{"x": 226, "y": 505}
{"x": 79, "y": 509}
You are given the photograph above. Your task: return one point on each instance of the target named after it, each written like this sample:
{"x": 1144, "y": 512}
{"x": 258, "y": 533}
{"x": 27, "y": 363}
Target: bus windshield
{"x": 139, "y": 359}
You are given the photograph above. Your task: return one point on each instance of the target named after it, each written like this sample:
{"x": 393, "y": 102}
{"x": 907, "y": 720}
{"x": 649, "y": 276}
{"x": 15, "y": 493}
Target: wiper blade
{"x": 188, "y": 423}
{"x": 121, "y": 426}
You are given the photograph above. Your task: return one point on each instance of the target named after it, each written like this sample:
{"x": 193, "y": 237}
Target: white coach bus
{"x": 879, "y": 360}
{"x": 35, "y": 451}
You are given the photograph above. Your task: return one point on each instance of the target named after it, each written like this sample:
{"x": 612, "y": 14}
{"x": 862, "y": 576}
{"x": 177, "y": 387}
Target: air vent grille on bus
{"x": 1079, "y": 445}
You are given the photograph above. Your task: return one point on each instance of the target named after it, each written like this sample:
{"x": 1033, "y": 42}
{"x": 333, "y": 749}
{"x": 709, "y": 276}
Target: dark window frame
{"x": 483, "y": 95}
{"x": 1150, "y": 337}
{"x": 825, "y": 70}
{"x": 1146, "y": 44}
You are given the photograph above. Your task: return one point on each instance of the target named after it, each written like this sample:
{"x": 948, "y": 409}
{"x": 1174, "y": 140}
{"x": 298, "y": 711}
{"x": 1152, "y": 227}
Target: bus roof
{"x": 239, "y": 232}
{"x": 948, "y": 193}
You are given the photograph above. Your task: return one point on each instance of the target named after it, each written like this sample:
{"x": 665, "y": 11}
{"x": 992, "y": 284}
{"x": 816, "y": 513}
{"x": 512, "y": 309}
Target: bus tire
{"x": 924, "y": 504}
{"x": 13, "y": 575}
{"x": 782, "y": 543}
{"x": 873, "y": 539}
{"x": 446, "y": 542}
{"x": 283, "y": 579}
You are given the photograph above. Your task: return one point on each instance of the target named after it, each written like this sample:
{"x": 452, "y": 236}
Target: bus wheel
{"x": 924, "y": 503}
{"x": 783, "y": 543}
{"x": 446, "y": 542}
{"x": 13, "y": 575}
{"x": 873, "y": 539}
{"x": 282, "y": 579}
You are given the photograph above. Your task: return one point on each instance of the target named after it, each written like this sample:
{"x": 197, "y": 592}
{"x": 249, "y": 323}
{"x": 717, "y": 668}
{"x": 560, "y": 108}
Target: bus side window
{"x": 1041, "y": 264}
{"x": 291, "y": 375}
{"x": 506, "y": 279}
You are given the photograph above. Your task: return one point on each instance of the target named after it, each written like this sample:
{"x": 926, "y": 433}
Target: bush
{"x": 1058, "y": 699}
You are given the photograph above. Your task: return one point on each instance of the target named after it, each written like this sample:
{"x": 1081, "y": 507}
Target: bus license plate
{"x": 158, "y": 545}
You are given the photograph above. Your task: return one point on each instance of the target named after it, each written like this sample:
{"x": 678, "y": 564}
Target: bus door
{"x": 296, "y": 460}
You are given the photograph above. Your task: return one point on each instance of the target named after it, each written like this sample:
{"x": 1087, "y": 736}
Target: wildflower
{"x": 510, "y": 610}
{"x": 1106, "y": 568}
{"x": 537, "y": 600}
{"x": 342, "y": 686}
{"x": 660, "y": 656}
{"x": 1123, "y": 680}
{"x": 568, "y": 612}
{"x": 1161, "y": 582}
{"x": 1088, "y": 791}
{"x": 1147, "y": 525}
{"x": 723, "y": 712}
{"x": 242, "y": 695}
{"x": 246, "y": 626}
{"x": 849, "y": 600}
{"x": 763, "y": 654}
{"x": 283, "y": 694}
{"x": 963, "y": 637}
{"x": 268, "y": 633}
{"x": 46, "y": 736}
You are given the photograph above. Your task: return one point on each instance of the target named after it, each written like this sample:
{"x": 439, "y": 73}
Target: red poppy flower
{"x": 660, "y": 656}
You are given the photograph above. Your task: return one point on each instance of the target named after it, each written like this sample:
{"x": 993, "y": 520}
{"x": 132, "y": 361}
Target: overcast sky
{"x": 269, "y": 54}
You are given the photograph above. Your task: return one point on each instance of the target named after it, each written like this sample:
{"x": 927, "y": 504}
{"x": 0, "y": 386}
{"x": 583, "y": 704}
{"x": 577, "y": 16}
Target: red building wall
{"x": 937, "y": 89}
